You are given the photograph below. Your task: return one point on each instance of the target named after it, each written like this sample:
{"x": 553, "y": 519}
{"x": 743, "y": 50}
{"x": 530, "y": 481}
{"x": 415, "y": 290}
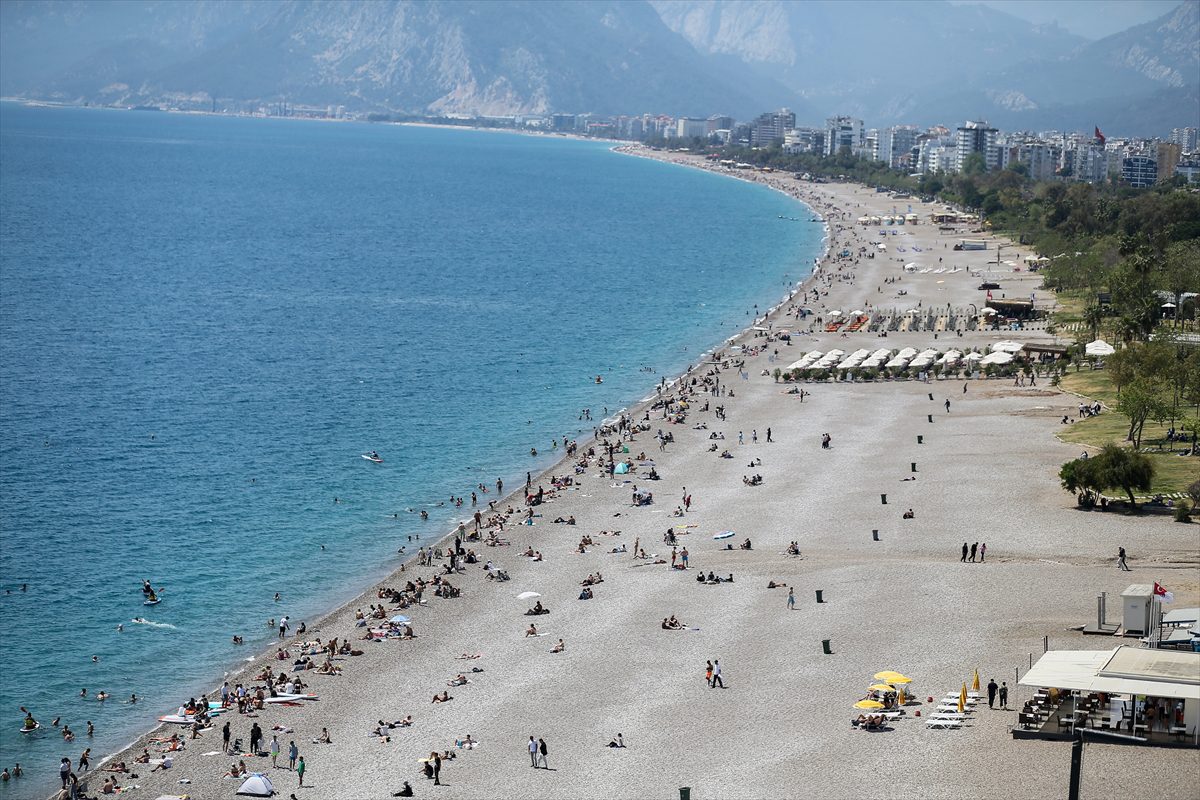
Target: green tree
{"x": 1142, "y": 400}
{"x": 1119, "y": 468}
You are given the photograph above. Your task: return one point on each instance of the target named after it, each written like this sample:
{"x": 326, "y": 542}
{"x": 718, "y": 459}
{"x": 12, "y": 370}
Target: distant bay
{"x": 204, "y": 321}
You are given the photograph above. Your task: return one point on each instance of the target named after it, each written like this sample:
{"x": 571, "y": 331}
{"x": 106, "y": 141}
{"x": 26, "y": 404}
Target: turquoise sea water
{"x": 204, "y": 322}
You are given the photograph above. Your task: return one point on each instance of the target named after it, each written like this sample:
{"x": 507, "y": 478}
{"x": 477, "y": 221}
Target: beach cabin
{"x": 971, "y": 244}
{"x": 1135, "y": 608}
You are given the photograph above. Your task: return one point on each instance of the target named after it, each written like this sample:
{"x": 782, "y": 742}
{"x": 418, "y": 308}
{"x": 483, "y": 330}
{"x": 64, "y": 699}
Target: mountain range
{"x": 900, "y": 61}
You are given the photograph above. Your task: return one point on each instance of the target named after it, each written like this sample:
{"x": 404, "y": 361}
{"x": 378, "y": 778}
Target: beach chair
{"x": 951, "y": 724}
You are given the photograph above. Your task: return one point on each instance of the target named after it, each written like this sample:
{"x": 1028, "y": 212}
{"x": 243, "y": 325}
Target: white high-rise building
{"x": 900, "y": 141}
{"x": 977, "y": 137}
{"x": 1188, "y": 139}
{"x": 843, "y": 132}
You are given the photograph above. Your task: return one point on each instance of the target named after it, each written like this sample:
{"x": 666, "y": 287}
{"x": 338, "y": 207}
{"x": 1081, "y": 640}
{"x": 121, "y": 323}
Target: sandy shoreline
{"x": 779, "y": 728}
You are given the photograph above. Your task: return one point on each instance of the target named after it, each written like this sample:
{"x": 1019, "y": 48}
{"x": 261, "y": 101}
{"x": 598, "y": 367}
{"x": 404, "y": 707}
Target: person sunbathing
{"x": 110, "y": 786}
{"x": 234, "y": 771}
{"x": 533, "y": 631}
{"x": 558, "y": 648}
{"x": 617, "y": 742}
{"x": 144, "y": 758}
{"x": 444, "y": 697}
{"x": 324, "y": 738}
{"x": 404, "y": 723}
{"x": 909, "y": 514}
{"x": 470, "y": 656}
{"x": 458, "y": 680}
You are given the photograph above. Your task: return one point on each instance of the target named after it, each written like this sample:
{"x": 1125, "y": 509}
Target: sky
{"x": 1093, "y": 19}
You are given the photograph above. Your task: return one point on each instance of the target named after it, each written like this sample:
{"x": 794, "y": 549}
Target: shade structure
{"x": 881, "y": 687}
{"x": 723, "y": 535}
{"x": 996, "y": 358}
{"x": 1007, "y": 347}
{"x": 975, "y": 682}
{"x": 891, "y": 676}
{"x": 868, "y": 704}
{"x": 1099, "y": 348}
{"x": 399, "y": 619}
{"x": 527, "y": 595}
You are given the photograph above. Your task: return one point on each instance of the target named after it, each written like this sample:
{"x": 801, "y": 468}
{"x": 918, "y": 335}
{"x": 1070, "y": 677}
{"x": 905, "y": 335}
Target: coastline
{"x": 814, "y": 279}
{"x": 512, "y": 498}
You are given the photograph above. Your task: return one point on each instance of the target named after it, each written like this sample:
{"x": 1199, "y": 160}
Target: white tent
{"x": 257, "y": 785}
{"x": 996, "y": 358}
{"x": 1007, "y": 347}
{"x": 1099, "y": 348}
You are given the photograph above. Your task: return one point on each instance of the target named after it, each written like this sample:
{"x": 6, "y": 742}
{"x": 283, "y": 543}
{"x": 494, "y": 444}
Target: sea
{"x": 205, "y": 321}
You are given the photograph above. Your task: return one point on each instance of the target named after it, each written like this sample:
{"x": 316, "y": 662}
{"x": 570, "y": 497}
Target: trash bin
{"x": 685, "y": 793}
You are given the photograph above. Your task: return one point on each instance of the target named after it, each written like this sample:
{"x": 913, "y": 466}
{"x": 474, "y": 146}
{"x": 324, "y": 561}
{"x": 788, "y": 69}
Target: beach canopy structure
{"x": 724, "y": 535}
{"x": 996, "y": 358}
{"x": 1099, "y": 348}
{"x": 868, "y": 704}
{"x": 621, "y": 468}
{"x": 399, "y": 619}
{"x": 881, "y": 687}
{"x": 527, "y": 595}
{"x": 257, "y": 785}
{"x": 1007, "y": 347}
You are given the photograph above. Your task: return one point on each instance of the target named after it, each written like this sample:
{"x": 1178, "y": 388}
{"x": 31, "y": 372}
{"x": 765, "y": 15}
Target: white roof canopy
{"x": 1125, "y": 670}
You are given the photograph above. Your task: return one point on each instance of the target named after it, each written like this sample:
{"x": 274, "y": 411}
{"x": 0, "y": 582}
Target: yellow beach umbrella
{"x": 962, "y": 696}
{"x": 961, "y": 705}
{"x": 868, "y": 704}
{"x": 975, "y": 683}
{"x": 891, "y": 677}
{"x": 881, "y": 687}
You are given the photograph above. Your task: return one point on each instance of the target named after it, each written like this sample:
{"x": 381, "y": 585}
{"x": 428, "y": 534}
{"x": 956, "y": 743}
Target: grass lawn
{"x": 1172, "y": 473}
{"x": 1071, "y": 303}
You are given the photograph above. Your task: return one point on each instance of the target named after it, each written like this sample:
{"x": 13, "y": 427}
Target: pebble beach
{"x": 895, "y": 594}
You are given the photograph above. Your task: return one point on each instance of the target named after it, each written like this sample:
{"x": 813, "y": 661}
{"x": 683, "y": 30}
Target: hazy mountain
{"x": 437, "y": 57}
{"x": 926, "y": 61}
{"x": 899, "y": 61}
{"x": 41, "y": 39}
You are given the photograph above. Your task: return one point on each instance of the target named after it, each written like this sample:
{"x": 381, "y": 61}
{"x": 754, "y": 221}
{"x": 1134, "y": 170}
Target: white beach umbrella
{"x": 527, "y": 595}
{"x": 997, "y": 358}
{"x": 1099, "y": 348}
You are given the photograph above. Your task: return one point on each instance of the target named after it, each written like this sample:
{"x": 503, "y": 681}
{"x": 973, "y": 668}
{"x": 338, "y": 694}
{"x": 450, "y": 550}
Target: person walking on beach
{"x": 533, "y": 752}
{"x": 225, "y": 737}
{"x": 255, "y": 738}
{"x": 1004, "y": 695}
{"x": 300, "y": 770}
{"x": 791, "y": 600}
{"x": 64, "y": 771}
{"x": 437, "y": 769}
{"x": 716, "y": 676}
{"x": 982, "y": 552}
{"x": 274, "y": 751}
{"x": 974, "y": 547}
{"x": 283, "y": 627}
{"x": 992, "y": 689}
{"x": 740, "y": 438}
{"x": 947, "y": 405}
{"x": 708, "y": 670}
{"x": 964, "y": 555}
{"x": 1121, "y": 565}
{"x": 769, "y": 439}
{"x": 543, "y": 752}
{"x": 684, "y": 555}
{"x": 293, "y": 753}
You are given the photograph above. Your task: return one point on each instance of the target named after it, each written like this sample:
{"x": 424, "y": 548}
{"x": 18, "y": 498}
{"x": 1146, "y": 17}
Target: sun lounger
{"x": 943, "y": 723}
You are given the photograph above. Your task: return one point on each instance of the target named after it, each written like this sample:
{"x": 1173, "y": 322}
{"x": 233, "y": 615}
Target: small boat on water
{"x": 373, "y": 456}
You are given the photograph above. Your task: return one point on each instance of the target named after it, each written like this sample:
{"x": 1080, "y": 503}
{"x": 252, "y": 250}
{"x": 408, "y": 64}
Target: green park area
{"x": 1172, "y": 472}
